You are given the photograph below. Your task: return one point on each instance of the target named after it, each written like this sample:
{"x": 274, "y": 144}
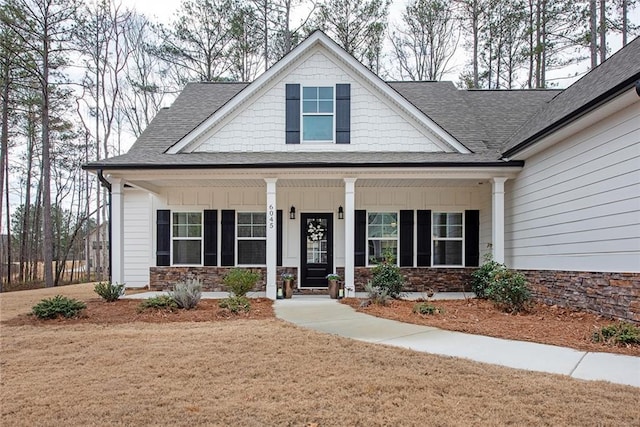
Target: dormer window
{"x": 317, "y": 114}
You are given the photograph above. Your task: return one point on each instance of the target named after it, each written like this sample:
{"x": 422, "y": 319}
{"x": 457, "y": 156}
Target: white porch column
{"x": 497, "y": 218}
{"x": 117, "y": 230}
{"x": 272, "y": 239}
{"x": 349, "y": 243}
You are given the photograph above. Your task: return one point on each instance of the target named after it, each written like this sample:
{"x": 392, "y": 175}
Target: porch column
{"x": 272, "y": 239}
{"x": 497, "y": 218}
{"x": 117, "y": 230}
{"x": 349, "y": 243}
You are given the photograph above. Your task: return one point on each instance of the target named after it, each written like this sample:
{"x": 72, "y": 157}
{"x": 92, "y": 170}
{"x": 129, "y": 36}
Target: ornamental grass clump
{"x": 187, "y": 294}
{"x": 109, "y": 291}
{"x": 50, "y": 308}
{"x": 376, "y": 295}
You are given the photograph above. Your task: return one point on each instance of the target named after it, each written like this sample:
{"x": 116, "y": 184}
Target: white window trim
{"x": 434, "y": 238}
{"x": 201, "y": 238}
{"x": 333, "y": 115}
{"x": 397, "y": 238}
{"x": 248, "y": 238}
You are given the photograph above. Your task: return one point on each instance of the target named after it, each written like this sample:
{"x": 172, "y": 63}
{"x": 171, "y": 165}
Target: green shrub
{"x": 427, "y": 308}
{"x": 509, "y": 290}
{"x": 158, "y": 302}
{"x": 109, "y": 291}
{"x": 386, "y": 276}
{"x": 236, "y": 304}
{"x": 621, "y": 333}
{"x": 187, "y": 294}
{"x": 376, "y": 294}
{"x": 239, "y": 281}
{"x": 483, "y": 276}
{"x": 50, "y": 308}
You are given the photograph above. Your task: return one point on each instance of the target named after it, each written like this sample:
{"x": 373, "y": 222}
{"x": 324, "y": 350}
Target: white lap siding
{"x": 137, "y": 238}
{"x": 576, "y": 205}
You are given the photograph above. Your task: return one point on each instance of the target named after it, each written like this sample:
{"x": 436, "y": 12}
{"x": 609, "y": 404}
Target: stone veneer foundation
{"x": 615, "y": 295}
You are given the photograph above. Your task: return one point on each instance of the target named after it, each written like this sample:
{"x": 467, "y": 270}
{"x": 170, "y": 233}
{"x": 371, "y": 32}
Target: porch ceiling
{"x": 307, "y": 183}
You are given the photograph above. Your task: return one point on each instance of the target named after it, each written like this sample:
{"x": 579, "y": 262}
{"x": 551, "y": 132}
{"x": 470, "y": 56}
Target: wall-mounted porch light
{"x": 340, "y": 213}
{"x": 292, "y": 213}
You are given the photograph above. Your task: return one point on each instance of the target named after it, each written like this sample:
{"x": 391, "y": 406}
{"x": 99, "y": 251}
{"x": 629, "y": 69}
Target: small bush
{"x": 376, "y": 294}
{"x": 484, "y": 276}
{"x": 109, "y": 291}
{"x": 427, "y": 308}
{"x": 157, "y": 303}
{"x": 235, "y": 304}
{"x": 621, "y": 333}
{"x": 509, "y": 290}
{"x": 386, "y": 275}
{"x": 50, "y": 308}
{"x": 239, "y": 281}
{"x": 187, "y": 294}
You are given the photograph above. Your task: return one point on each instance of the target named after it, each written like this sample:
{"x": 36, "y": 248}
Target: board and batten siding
{"x": 576, "y": 205}
{"x": 260, "y": 125}
{"x": 137, "y": 238}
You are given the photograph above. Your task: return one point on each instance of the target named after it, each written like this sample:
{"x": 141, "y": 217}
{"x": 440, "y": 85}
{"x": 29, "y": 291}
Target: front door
{"x": 316, "y": 236}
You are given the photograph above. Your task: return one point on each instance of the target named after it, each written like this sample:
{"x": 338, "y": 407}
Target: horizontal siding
{"x": 137, "y": 238}
{"x": 576, "y": 205}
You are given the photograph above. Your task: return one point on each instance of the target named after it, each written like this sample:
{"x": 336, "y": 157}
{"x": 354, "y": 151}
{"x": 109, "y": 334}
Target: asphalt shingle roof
{"x": 487, "y": 122}
{"x": 618, "y": 72}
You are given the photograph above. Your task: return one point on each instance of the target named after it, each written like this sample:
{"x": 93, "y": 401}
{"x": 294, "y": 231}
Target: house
{"x": 319, "y": 166}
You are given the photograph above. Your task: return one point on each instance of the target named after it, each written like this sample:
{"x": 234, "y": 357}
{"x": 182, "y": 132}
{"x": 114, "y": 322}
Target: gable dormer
{"x": 318, "y": 98}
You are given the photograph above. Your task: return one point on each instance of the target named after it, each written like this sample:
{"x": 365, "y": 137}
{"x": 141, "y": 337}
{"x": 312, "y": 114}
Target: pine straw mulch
{"x": 126, "y": 311}
{"x": 541, "y": 323}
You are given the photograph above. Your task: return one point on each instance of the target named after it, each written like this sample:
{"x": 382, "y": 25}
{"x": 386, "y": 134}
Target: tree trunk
{"x": 603, "y": 30}
{"x": 47, "y": 225}
{"x": 593, "y": 26}
{"x": 4, "y": 147}
{"x": 624, "y": 22}
{"x": 476, "y": 35}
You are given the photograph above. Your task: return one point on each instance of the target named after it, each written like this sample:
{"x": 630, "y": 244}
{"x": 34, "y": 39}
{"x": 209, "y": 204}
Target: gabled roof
{"x": 615, "y": 75}
{"x": 319, "y": 40}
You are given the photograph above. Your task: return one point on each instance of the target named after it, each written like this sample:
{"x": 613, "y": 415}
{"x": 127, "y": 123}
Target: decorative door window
{"x": 316, "y": 240}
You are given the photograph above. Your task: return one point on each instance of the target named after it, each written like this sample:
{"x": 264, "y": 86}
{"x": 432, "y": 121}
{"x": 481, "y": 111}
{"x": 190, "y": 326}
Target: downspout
{"x": 105, "y": 183}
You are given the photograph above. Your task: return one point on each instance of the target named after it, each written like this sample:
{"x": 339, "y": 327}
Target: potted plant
{"x": 333, "y": 285}
{"x": 287, "y": 280}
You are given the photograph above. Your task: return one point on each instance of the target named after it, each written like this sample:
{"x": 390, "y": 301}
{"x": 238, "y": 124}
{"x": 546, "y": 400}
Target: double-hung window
{"x": 448, "y": 238}
{"x": 317, "y": 114}
{"x": 252, "y": 238}
{"x": 187, "y": 238}
{"x": 382, "y": 236}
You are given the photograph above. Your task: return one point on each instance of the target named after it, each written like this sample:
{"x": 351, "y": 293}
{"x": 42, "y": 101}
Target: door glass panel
{"x": 317, "y": 240}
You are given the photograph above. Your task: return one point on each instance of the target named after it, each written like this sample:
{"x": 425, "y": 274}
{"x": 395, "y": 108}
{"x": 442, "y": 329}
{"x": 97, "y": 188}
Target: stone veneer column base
{"x": 615, "y": 295}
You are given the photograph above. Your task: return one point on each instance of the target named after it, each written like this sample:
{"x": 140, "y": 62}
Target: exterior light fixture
{"x": 292, "y": 213}
{"x": 340, "y": 213}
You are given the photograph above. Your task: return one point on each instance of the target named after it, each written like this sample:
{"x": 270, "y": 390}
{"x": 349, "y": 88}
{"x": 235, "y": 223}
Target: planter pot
{"x": 333, "y": 289}
{"x": 288, "y": 289}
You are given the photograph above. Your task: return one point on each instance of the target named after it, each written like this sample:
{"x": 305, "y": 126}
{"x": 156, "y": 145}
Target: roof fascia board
{"x": 323, "y": 40}
{"x": 585, "y": 109}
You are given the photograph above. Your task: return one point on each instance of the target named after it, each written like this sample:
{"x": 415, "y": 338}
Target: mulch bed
{"x": 541, "y": 323}
{"x": 126, "y": 311}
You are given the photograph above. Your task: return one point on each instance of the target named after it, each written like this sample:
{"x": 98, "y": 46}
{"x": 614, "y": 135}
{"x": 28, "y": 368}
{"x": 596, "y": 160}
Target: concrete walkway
{"x": 326, "y": 315}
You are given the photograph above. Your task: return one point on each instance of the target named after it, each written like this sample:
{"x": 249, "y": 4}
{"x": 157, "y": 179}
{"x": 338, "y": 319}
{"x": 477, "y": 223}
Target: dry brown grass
{"x": 268, "y": 372}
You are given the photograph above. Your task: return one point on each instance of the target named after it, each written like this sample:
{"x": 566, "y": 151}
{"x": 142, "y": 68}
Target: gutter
{"x": 107, "y": 185}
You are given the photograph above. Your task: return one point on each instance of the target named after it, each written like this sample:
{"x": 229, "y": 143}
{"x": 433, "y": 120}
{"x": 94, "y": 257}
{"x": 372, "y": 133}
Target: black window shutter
{"x": 293, "y": 114}
{"x": 163, "y": 237}
{"x": 343, "y": 114}
{"x": 210, "y": 237}
{"x": 406, "y": 239}
{"x": 279, "y": 237}
{"x": 423, "y": 235}
{"x": 472, "y": 238}
{"x": 227, "y": 249}
{"x": 360, "y": 246}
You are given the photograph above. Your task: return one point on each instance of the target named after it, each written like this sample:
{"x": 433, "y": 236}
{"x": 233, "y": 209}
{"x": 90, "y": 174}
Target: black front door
{"x": 316, "y": 237}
